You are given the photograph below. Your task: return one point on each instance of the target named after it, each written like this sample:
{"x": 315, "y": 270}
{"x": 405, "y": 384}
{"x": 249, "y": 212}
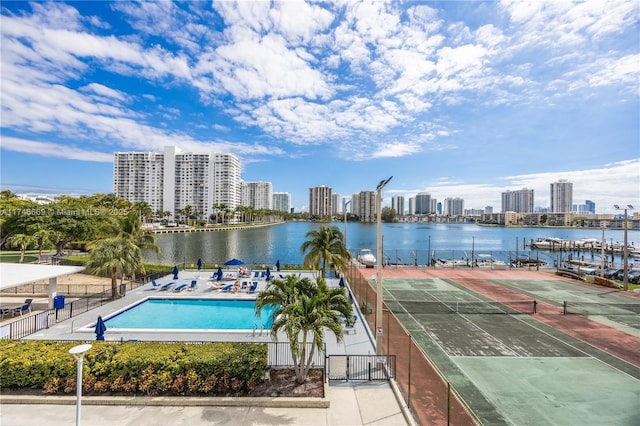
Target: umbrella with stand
{"x": 268, "y": 274}
{"x": 219, "y": 274}
{"x": 100, "y": 328}
{"x": 199, "y": 264}
{"x": 175, "y": 272}
{"x": 234, "y": 262}
{"x": 341, "y": 283}
{"x": 278, "y": 265}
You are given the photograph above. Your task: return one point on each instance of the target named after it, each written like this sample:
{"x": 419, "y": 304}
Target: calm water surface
{"x": 282, "y": 242}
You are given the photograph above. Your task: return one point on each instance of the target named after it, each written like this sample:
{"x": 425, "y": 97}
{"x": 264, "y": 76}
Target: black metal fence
{"x": 361, "y": 367}
{"x": 30, "y": 324}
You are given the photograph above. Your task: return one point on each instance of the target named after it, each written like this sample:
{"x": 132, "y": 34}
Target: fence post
{"x": 448, "y": 403}
{"x": 409, "y": 375}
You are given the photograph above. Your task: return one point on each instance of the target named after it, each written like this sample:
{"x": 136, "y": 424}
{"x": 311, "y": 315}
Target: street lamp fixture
{"x": 78, "y": 353}
{"x": 625, "y": 249}
{"x": 379, "y": 266}
{"x": 345, "y": 224}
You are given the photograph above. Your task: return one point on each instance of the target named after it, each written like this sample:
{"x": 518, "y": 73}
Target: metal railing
{"x": 361, "y": 367}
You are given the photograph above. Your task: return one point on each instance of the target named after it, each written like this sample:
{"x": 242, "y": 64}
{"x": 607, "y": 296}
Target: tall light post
{"x": 379, "y": 266}
{"x": 345, "y": 224}
{"x": 625, "y": 249}
{"x": 78, "y": 353}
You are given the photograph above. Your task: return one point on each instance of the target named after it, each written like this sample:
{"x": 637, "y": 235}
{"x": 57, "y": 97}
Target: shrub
{"x": 133, "y": 368}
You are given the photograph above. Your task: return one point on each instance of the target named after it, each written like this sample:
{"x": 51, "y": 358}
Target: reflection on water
{"x": 266, "y": 245}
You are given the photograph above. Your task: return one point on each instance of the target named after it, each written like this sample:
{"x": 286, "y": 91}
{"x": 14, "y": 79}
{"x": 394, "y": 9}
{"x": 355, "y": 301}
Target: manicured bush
{"x": 134, "y": 367}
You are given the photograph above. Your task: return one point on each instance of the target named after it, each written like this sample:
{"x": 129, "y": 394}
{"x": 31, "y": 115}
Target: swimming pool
{"x": 191, "y": 314}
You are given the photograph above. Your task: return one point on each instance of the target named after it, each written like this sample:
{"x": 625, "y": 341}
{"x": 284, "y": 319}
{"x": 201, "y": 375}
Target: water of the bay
{"x": 411, "y": 243}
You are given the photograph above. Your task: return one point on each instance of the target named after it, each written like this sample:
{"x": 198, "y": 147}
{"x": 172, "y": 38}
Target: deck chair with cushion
{"x": 180, "y": 288}
{"x": 26, "y": 307}
{"x": 253, "y": 287}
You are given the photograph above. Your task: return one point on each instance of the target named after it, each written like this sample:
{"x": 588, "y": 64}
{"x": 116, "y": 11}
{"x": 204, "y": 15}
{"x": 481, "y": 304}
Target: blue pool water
{"x": 192, "y": 314}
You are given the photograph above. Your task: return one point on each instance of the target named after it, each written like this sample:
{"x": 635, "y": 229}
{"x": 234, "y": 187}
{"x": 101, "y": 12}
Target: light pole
{"x": 345, "y": 224}
{"x": 625, "y": 249}
{"x": 78, "y": 353}
{"x": 379, "y": 266}
{"x": 473, "y": 246}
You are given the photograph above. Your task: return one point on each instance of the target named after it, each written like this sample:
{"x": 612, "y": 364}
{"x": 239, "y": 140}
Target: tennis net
{"x": 596, "y": 308}
{"x": 482, "y": 307}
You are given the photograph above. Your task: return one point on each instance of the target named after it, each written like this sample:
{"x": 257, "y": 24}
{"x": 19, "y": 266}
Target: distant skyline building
{"x": 365, "y": 205}
{"x": 453, "y": 206}
{"x": 412, "y": 205}
{"x": 423, "y": 203}
{"x": 517, "y": 201}
{"x": 257, "y": 195}
{"x": 336, "y": 205}
{"x": 589, "y": 207}
{"x": 320, "y": 201}
{"x": 561, "y": 196}
{"x": 172, "y": 180}
{"x": 281, "y": 202}
{"x": 397, "y": 203}
{"x": 488, "y": 209}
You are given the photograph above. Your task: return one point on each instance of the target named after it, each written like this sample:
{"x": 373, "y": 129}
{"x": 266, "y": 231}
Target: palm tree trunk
{"x": 114, "y": 285}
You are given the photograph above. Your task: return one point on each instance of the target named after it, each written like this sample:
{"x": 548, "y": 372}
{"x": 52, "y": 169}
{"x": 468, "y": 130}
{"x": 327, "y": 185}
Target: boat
{"x": 366, "y": 258}
{"x": 485, "y": 261}
{"x": 550, "y": 243}
{"x": 450, "y": 263}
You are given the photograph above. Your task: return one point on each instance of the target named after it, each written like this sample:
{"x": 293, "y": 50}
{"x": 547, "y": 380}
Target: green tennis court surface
{"x": 511, "y": 368}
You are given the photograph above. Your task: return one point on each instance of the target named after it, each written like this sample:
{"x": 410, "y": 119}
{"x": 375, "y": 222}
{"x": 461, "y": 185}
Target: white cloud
{"x": 49, "y": 149}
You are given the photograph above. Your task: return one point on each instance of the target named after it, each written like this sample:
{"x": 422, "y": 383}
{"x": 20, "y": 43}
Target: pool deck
{"x": 349, "y": 403}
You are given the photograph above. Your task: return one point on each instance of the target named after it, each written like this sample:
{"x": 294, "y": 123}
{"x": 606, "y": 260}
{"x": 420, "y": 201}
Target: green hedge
{"x": 134, "y": 368}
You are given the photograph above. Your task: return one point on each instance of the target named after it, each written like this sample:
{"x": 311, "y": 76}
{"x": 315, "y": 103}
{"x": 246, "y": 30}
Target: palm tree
{"x": 115, "y": 257}
{"x": 303, "y": 309}
{"x": 22, "y": 241}
{"x": 326, "y": 246}
{"x": 45, "y": 239}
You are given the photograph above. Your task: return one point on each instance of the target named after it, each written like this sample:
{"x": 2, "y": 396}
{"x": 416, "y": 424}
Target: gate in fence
{"x": 361, "y": 367}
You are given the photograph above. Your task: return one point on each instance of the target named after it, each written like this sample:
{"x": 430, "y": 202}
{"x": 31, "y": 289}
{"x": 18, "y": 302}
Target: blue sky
{"x": 458, "y": 99}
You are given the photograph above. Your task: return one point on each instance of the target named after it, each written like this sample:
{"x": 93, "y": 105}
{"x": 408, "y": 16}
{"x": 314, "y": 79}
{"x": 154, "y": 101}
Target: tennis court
{"x": 514, "y": 366}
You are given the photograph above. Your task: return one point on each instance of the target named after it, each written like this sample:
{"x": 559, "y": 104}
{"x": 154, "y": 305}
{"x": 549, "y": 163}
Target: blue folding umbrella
{"x": 341, "y": 283}
{"x": 199, "y": 264}
{"x": 234, "y": 262}
{"x": 219, "y": 274}
{"x": 278, "y": 265}
{"x": 175, "y": 272}
{"x": 268, "y": 274}
{"x": 100, "y": 328}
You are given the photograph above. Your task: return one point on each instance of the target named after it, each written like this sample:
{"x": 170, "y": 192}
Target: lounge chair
{"x": 194, "y": 284}
{"x": 256, "y": 274}
{"x": 4, "y": 312}
{"x": 154, "y": 283}
{"x": 26, "y": 307}
{"x": 180, "y": 288}
{"x": 227, "y": 288}
{"x": 244, "y": 285}
{"x": 253, "y": 287}
{"x": 167, "y": 285}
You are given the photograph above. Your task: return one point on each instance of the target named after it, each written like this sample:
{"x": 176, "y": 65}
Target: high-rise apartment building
{"x": 561, "y": 196}
{"x": 257, "y": 195}
{"x": 518, "y": 201}
{"x": 173, "y": 180}
{"x": 412, "y": 205}
{"x": 423, "y": 203}
{"x": 397, "y": 203}
{"x": 365, "y": 206}
{"x": 453, "y": 206}
{"x": 320, "y": 201}
{"x": 282, "y": 202}
{"x": 335, "y": 204}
